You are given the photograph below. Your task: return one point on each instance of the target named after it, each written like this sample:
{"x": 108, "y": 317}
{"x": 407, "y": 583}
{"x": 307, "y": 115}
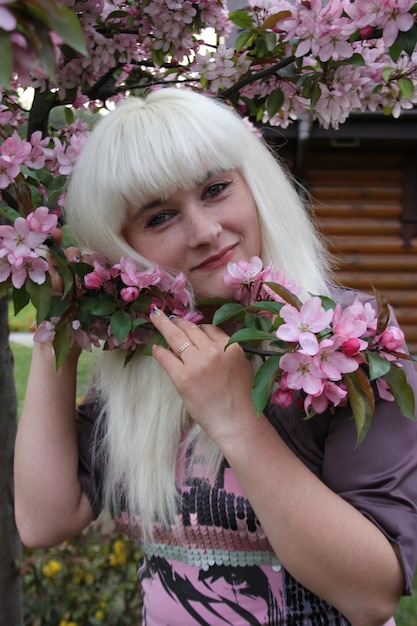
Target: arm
{"x": 322, "y": 540}
{"x": 49, "y": 503}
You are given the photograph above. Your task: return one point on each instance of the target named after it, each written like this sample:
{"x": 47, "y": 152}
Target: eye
{"x": 215, "y": 189}
{"x": 158, "y": 219}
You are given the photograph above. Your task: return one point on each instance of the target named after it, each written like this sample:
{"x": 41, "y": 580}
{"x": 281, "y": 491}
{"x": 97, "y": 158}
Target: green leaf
{"x": 406, "y": 41}
{"x": 243, "y": 19}
{"x": 245, "y": 335}
{"x": 61, "y": 343}
{"x": 6, "y": 55}
{"x": 158, "y": 57}
{"x": 67, "y": 25}
{"x": 63, "y": 269}
{"x": 4, "y": 287}
{"x": 356, "y": 59}
{"x": 244, "y": 40}
{"x": 406, "y": 87}
{"x": 9, "y": 213}
{"x": 106, "y": 306}
{"x": 231, "y": 309}
{"x": 274, "y": 102}
{"x": 40, "y": 296}
{"x": 387, "y": 73}
{"x": 267, "y": 305}
{"x": 378, "y": 366}
{"x": 20, "y": 299}
{"x": 156, "y": 338}
{"x": 401, "y": 390}
{"x": 362, "y": 401}
{"x": 121, "y": 325}
{"x": 56, "y": 186}
{"x": 264, "y": 379}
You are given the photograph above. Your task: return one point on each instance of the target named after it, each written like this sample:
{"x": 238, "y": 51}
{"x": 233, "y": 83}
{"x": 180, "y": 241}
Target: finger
{"x": 177, "y": 339}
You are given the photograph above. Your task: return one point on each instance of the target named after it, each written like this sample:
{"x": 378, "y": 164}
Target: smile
{"x": 217, "y": 260}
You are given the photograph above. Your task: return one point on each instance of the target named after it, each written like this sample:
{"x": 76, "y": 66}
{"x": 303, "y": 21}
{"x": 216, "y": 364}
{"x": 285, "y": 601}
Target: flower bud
{"x": 351, "y": 346}
{"x": 392, "y": 338}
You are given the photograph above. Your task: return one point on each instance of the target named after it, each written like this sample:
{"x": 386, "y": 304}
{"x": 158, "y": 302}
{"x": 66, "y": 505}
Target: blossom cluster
{"x": 317, "y": 342}
{"x": 318, "y": 350}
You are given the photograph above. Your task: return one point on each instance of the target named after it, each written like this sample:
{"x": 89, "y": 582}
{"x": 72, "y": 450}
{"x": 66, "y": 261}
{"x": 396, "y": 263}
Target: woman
{"x": 242, "y": 520}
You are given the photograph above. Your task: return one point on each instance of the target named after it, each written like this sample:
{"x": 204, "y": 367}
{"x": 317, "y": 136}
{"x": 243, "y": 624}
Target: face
{"x": 199, "y": 231}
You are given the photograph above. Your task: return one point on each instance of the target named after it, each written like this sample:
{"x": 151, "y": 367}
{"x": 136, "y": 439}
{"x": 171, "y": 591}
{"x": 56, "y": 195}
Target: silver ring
{"x": 184, "y": 346}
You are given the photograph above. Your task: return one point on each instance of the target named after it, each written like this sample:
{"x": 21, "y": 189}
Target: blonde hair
{"x": 148, "y": 148}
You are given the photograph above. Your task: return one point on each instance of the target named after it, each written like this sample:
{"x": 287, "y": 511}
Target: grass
{"x": 407, "y": 611}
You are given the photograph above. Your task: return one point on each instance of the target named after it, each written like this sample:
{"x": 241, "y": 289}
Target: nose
{"x": 203, "y": 227}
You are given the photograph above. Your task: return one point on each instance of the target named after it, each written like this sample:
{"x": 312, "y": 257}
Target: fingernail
{"x": 76, "y": 258}
{"x": 153, "y": 310}
{"x": 172, "y": 317}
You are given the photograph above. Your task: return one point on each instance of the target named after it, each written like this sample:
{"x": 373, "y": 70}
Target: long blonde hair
{"x": 150, "y": 147}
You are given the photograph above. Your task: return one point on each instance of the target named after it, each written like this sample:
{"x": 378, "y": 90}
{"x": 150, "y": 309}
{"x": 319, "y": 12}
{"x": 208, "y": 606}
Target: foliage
{"x": 88, "y": 581}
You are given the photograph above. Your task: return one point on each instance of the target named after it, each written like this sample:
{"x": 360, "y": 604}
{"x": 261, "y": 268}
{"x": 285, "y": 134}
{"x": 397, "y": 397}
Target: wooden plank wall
{"x": 357, "y": 197}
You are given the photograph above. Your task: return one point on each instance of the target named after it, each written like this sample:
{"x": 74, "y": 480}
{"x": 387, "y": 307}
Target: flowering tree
{"x": 313, "y": 59}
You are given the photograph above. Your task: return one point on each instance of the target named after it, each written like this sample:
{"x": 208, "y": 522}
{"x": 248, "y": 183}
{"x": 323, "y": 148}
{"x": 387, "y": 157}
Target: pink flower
{"x": 303, "y": 374}
{"x": 20, "y": 239}
{"x": 129, "y": 294}
{"x": 392, "y": 338}
{"x": 30, "y": 265}
{"x": 301, "y": 326}
{"x": 331, "y": 394}
{"x": 244, "y": 277}
{"x": 351, "y": 346}
{"x": 383, "y": 390}
{"x": 331, "y": 361}
{"x": 271, "y": 275}
{"x": 41, "y": 220}
{"x": 45, "y": 332}
{"x": 93, "y": 280}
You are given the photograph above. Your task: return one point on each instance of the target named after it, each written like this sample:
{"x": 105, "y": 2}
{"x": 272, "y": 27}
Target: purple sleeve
{"x": 89, "y": 472}
{"x": 379, "y": 476}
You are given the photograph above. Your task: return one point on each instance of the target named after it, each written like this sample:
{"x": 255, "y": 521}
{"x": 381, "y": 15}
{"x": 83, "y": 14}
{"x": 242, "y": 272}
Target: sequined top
{"x": 215, "y": 565}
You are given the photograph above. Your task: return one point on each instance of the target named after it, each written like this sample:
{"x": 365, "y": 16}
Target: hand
{"x": 72, "y": 254}
{"x": 215, "y": 384}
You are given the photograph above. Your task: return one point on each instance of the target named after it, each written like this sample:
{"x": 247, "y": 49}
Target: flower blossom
{"x": 302, "y": 372}
{"x": 244, "y": 277}
{"x": 301, "y": 326}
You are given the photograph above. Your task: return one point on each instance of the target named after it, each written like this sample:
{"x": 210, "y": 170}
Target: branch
{"x": 270, "y": 71}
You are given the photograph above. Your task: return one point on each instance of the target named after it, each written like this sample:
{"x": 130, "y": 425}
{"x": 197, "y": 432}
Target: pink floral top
{"x": 216, "y": 566}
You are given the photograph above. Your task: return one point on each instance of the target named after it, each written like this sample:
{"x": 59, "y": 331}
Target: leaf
{"x": 285, "y": 294}
{"x": 103, "y": 307}
{"x": 406, "y": 87}
{"x": 20, "y": 299}
{"x": 9, "y": 213}
{"x": 6, "y": 55}
{"x": 267, "y": 305}
{"x": 250, "y": 334}
{"x": 61, "y": 343}
{"x": 406, "y": 40}
{"x": 64, "y": 270}
{"x": 274, "y": 102}
{"x": 264, "y": 379}
{"x": 387, "y": 73}
{"x": 378, "y": 366}
{"x": 40, "y": 296}
{"x": 241, "y": 18}
{"x": 121, "y": 325}
{"x": 383, "y": 311}
{"x": 401, "y": 390}
{"x": 67, "y": 25}
{"x": 272, "y": 20}
{"x": 362, "y": 402}
{"x": 244, "y": 40}
{"x": 231, "y": 309}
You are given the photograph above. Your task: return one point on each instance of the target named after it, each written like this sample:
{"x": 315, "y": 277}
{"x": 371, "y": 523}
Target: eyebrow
{"x": 160, "y": 201}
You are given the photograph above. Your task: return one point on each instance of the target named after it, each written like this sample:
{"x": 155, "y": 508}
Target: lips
{"x": 217, "y": 260}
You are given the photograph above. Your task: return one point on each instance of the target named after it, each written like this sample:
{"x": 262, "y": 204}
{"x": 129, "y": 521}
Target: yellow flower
{"x": 51, "y": 568}
{"x": 65, "y": 622}
{"x": 77, "y": 575}
{"x": 99, "y": 614}
{"x": 119, "y": 555}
